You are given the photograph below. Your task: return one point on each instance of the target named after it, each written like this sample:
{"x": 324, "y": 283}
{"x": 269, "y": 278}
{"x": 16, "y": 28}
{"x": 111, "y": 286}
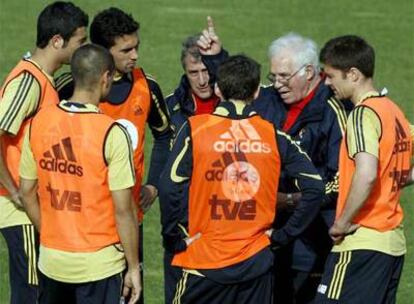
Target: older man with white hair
{"x": 305, "y": 108}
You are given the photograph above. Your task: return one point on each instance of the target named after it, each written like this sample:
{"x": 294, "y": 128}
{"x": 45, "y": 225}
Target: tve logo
{"x": 61, "y": 200}
{"x": 224, "y": 208}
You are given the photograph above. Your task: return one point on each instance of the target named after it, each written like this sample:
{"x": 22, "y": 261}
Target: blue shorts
{"x": 23, "y": 245}
{"x": 360, "y": 277}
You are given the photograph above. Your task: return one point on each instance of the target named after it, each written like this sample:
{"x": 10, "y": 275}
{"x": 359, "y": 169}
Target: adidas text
{"x": 61, "y": 166}
{"x": 244, "y": 146}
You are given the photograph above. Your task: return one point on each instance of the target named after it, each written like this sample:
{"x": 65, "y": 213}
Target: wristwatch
{"x": 289, "y": 199}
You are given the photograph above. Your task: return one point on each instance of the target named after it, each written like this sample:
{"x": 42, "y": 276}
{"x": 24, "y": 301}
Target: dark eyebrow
{"x": 130, "y": 48}
{"x": 196, "y": 70}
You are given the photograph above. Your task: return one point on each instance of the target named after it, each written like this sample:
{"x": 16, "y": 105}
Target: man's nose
{"x": 277, "y": 84}
{"x": 134, "y": 54}
{"x": 202, "y": 78}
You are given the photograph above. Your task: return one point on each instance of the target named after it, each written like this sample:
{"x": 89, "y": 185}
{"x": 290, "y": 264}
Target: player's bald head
{"x": 89, "y": 63}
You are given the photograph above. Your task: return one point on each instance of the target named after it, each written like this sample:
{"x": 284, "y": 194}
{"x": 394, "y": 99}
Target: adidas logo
{"x": 55, "y": 160}
{"x": 322, "y": 288}
{"x": 216, "y": 173}
{"x": 218, "y": 166}
{"x": 137, "y": 109}
{"x": 402, "y": 142}
{"x": 239, "y": 181}
{"x": 242, "y": 137}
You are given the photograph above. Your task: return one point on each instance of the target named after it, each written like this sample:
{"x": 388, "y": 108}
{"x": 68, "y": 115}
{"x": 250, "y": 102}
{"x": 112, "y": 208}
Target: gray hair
{"x": 301, "y": 49}
{"x": 190, "y": 47}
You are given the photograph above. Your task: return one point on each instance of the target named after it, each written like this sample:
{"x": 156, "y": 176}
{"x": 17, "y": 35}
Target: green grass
{"x": 248, "y": 27}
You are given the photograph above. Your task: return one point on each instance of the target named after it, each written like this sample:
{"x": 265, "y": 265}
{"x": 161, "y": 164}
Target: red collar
{"x": 205, "y": 106}
{"x": 294, "y": 110}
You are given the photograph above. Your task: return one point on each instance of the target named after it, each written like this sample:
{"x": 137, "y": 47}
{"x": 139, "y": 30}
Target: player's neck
{"x": 46, "y": 61}
{"x": 85, "y": 97}
{"x": 362, "y": 89}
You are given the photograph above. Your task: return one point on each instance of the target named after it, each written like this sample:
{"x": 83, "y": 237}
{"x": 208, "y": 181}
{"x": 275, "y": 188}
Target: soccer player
{"x": 76, "y": 178}
{"x": 375, "y": 158}
{"x": 61, "y": 29}
{"x": 220, "y": 183}
{"x": 299, "y": 103}
{"x": 194, "y": 96}
{"x": 135, "y": 99}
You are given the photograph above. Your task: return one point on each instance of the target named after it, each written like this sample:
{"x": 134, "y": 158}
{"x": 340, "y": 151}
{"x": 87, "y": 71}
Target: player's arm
{"x": 297, "y": 166}
{"x": 174, "y": 187}
{"x": 5, "y": 177}
{"x": 211, "y": 49}
{"x": 28, "y": 189}
{"x": 28, "y": 182}
{"x": 127, "y": 227}
{"x": 335, "y": 123}
{"x": 410, "y": 180}
{"x": 20, "y": 101}
{"x": 121, "y": 177}
{"x": 159, "y": 123}
{"x": 363, "y": 134}
{"x": 212, "y": 62}
{"x": 333, "y": 127}
{"x": 363, "y": 180}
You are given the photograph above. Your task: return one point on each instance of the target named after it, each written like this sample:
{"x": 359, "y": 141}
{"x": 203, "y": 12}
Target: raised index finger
{"x": 210, "y": 25}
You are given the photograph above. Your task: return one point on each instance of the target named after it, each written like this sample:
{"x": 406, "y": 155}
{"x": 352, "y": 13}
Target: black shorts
{"x": 23, "y": 244}
{"x": 172, "y": 275}
{"x": 360, "y": 276}
{"x": 105, "y": 291}
{"x": 197, "y": 289}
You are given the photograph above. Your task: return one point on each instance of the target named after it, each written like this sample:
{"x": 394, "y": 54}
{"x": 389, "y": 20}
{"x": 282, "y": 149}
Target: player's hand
{"x": 148, "y": 195}
{"x": 209, "y": 43}
{"x": 191, "y": 239}
{"x": 17, "y": 200}
{"x": 132, "y": 285}
{"x": 339, "y": 230}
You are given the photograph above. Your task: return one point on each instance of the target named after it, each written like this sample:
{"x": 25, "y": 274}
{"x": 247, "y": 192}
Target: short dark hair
{"x": 111, "y": 24}
{"x": 190, "y": 48}
{"x": 59, "y": 18}
{"x": 349, "y": 51}
{"x": 88, "y": 64}
{"x": 238, "y": 77}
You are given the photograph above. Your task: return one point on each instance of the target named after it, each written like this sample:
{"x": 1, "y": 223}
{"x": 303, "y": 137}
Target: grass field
{"x": 248, "y": 27}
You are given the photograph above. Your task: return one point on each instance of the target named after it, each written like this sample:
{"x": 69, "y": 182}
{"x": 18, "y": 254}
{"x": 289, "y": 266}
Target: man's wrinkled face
{"x": 339, "y": 82}
{"x": 289, "y": 79}
{"x": 198, "y": 77}
{"x": 125, "y": 52}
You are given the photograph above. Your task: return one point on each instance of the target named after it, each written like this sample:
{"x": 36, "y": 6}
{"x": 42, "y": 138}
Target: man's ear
{"x": 256, "y": 94}
{"x": 218, "y": 92}
{"x": 310, "y": 72}
{"x": 57, "y": 42}
{"x": 354, "y": 74}
{"x": 106, "y": 79}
